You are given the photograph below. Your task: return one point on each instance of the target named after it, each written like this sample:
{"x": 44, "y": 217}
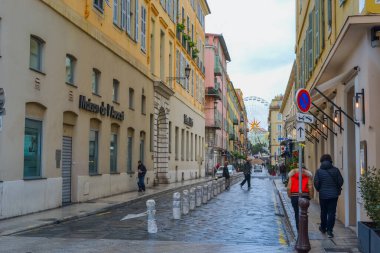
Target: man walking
{"x": 141, "y": 171}
{"x": 328, "y": 182}
{"x": 226, "y": 175}
{"x": 247, "y": 174}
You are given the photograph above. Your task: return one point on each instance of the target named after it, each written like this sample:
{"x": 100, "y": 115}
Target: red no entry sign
{"x": 303, "y": 100}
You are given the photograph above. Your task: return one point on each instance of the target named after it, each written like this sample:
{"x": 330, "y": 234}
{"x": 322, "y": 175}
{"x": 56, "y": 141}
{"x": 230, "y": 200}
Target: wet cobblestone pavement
{"x": 240, "y": 219}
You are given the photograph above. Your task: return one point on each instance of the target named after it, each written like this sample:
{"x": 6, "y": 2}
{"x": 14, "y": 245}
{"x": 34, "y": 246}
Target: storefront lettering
{"x": 104, "y": 110}
{"x": 187, "y": 120}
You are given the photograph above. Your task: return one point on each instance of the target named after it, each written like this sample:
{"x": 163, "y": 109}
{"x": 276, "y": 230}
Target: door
{"x": 66, "y": 169}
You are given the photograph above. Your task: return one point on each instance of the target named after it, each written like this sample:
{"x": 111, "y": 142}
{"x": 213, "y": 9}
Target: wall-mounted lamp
{"x": 359, "y": 101}
{"x": 336, "y": 115}
{"x": 187, "y": 75}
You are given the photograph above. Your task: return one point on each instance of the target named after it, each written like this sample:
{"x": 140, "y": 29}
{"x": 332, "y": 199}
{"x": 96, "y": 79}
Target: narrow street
{"x": 236, "y": 220}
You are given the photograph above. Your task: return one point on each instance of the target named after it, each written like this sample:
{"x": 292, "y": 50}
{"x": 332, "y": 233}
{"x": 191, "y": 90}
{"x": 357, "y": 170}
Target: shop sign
{"x": 104, "y": 110}
{"x": 188, "y": 121}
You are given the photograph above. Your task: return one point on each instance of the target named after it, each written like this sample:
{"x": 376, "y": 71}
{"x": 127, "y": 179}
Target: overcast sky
{"x": 260, "y": 37}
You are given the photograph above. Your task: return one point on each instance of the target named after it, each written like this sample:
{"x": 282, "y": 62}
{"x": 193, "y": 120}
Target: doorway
{"x": 66, "y": 169}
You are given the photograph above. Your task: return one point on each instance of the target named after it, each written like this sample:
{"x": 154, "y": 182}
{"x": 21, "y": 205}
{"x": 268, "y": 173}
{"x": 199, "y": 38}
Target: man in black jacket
{"x": 247, "y": 174}
{"x": 226, "y": 175}
{"x": 328, "y": 182}
{"x": 141, "y": 171}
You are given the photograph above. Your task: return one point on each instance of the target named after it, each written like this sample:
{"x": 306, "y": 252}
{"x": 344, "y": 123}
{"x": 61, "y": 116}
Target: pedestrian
{"x": 293, "y": 189}
{"x": 328, "y": 181}
{"x": 141, "y": 171}
{"x": 226, "y": 175}
{"x": 283, "y": 172}
{"x": 247, "y": 174}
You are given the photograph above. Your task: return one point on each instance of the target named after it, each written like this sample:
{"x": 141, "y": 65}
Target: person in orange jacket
{"x": 293, "y": 188}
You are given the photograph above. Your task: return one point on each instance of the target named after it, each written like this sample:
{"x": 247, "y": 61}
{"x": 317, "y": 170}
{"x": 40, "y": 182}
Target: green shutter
{"x": 317, "y": 30}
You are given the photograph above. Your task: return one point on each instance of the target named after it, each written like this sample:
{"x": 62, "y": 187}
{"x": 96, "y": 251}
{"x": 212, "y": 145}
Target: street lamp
{"x": 186, "y": 77}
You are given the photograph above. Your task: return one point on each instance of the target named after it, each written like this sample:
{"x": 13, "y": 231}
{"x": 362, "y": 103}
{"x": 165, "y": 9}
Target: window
{"x": 151, "y": 133}
{"x": 329, "y": 15}
{"x": 183, "y": 145}
{"x": 99, "y": 4}
{"x": 341, "y": 2}
{"x": 131, "y": 98}
{"x": 187, "y": 145}
{"x": 95, "y": 81}
{"x": 279, "y": 116}
{"x": 191, "y": 147}
{"x": 130, "y": 150}
{"x": 113, "y": 153}
{"x": 279, "y": 130}
{"x": 32, "y": 148}
{"x": 176, "y": 142}
{"x": 133, "y": 18}
{"x": 143, "y": 105}
{"x": 170, "y": 136}
{"x": 115, "y": 90}
{"x": 143, "y": 28}
{"x": 162, "y": 55}
{"x": 70, "y": 65}
{"x": 93, "y": 152}
{"x": 0, "y": 37}
{"x": 36, "y": 47}
{"x": 142, "y": 146}
{"x": 196, "y": 148}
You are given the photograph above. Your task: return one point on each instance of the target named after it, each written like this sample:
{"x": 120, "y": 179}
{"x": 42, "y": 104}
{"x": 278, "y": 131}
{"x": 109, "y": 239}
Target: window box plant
{"x": 191, "y": 44}
{"x": 369, "y": 232}
{"x": 180, "y": 27}
{"x": 186, "y": 37}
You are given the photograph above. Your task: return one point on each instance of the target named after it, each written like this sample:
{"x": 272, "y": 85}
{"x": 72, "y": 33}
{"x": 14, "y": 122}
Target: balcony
{"x": 241, "y": 130}
{"x": 214, "y": 92}
{"x": 214, "y": 123}
{"x": 217, "y": 67}
{"x": 235, "y": 121}
{"x": 232, "y": 137}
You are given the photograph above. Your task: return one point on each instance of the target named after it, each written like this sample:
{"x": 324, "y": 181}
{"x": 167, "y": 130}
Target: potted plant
{"x": 186, "y": 37}
{"x": 194, "y": 53}
{"x": 369, "y": 232}
{"x": 191, "y": 44}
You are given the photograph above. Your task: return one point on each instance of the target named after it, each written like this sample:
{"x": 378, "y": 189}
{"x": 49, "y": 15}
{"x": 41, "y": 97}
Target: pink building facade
{"x": 216, "y": 58}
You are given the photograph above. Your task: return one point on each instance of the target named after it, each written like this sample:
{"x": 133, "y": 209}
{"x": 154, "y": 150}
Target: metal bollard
{"x": 185, "y": 202}
{"x": 214, "y": 187}
{"x": 204, "y": 199}
{"x": 209, "y": 190}
{"x": 198, "y": 196}
{"x": 303, "y": 243}
{"x": 151, "y": 212}
{"x": 176, "y": 205}
{"x": 192, "y": 198}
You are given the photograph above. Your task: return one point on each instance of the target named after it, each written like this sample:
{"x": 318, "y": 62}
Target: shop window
{"x": 93, "y": 152}
{"x": 113, "y": 153}
{"x": 70, "y": 68}
{"x": 130, "y": 150}
{"x": 32, "y": 148}
{"x": 36, "y": 50}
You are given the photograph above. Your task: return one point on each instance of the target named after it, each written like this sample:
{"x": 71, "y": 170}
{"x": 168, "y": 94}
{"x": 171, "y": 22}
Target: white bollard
{"x": 218, "y": 186}
{"x": 214, "y": 187}
{"x": 176, "y": 205}
{"x": 151, "y": 213}
{"x": 224, "y": 184}
{"x": 192, "y": 198}
{"x": 209, "y": 190}
{"x": 185, "y": 202}
{"x": 198, "y": 196}
{"x": 204, "y": 199}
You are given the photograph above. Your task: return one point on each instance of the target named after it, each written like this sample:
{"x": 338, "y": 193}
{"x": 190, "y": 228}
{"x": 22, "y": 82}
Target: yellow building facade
{"x": 275, "y": 125}
{"x": 337, "y": 52}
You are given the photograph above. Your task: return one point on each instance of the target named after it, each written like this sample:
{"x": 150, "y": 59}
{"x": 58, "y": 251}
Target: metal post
{"x": 303, "y": 243}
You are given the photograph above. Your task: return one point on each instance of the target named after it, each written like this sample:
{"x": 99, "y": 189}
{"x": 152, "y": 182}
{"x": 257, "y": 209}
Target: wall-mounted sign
{"x": 303, "y": 100}
{"x": 188, "y": 121}
{"x": 104, "y": 110}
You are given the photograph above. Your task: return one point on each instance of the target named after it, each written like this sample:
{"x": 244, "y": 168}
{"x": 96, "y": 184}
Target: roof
{"x": 222, "y": 43}
{"x": 288, "y": 87}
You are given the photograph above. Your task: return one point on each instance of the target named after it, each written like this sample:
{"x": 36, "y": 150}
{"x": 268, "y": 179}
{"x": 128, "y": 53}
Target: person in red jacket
{"x": 293, "y": 188}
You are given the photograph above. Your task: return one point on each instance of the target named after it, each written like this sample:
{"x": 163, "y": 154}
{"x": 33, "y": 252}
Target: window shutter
{"x": 123, "y": 14}
{"x": 175, "y": 10}
{"x": 317, "y": 30}
{"x": 177, "y": 63}
{"x": 143, "y": 28}
{"x": 115, "y": 12}
{"x": 137, "y": 21}
{"x": 128, "y": 16}
{"x": 310, "y": 44}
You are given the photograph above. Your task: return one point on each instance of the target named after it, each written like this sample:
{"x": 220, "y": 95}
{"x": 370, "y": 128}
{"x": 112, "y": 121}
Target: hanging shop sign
{"x": 103, "y": 109}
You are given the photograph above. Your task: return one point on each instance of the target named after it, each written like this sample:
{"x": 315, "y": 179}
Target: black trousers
{"x": 328, "y": 211}
{"x": 294, "y": 200}
{"x": 247, "y": 178}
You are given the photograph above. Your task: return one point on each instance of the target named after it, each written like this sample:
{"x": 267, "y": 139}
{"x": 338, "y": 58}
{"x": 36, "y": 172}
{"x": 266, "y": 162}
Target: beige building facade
{"x": 84, "y": 104}
{"x": 275, "y": 127}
